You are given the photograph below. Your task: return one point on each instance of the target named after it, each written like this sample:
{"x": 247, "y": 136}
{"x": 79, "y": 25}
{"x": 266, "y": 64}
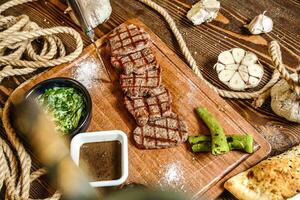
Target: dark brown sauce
{"x": 101, "y": 160}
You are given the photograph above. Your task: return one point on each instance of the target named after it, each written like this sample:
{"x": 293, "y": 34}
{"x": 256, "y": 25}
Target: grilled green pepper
{"x": 201, "y": 143}
{"x": 219, "y": 143}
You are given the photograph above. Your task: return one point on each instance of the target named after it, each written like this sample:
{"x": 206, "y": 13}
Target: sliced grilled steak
{"x": 138, "y": 62}
{"x": 145, "y": 98}
{"x": 157, "y": 105}
{"x": 138, "y": 108}
{"x": 162, "y": 133}
{"x": 138, "y": 85}
{"x": 128, "y": 39}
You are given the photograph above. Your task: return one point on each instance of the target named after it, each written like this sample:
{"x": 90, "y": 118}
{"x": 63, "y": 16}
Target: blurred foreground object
{"x": 50, "y": 148}
{"x": 140, "y": 192}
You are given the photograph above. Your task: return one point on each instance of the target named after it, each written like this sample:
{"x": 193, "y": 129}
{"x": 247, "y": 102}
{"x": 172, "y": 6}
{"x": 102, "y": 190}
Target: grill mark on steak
{"x": 142, "y": 135}
{"x": 129, "y": 35}
{"x": 159, "y": 102}
{"x": 167, "y": 125}
{"x": 161, "y": 139}
{"x": 175, "y": 126}
{"x": 152, "y": 107}
{"x": 128, "y": 39}
{"x": 138, "y": 109}
{"x": 147, "y": 141}
{"x": 137, "y": 85}
{"x": 138, "y": 62}
{"x": 179, "y": 127}
{"x": 155, "y": 136}
{"x": 169, "y": 131}
{"x": 177, "y": 123}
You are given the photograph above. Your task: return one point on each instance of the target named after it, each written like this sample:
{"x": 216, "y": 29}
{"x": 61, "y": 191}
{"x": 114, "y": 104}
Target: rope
{"x": 18, "y": 35}
{"x": 276, "y": 56}
{"x": 192, "y": 62}
{"x": 17, "y": 38}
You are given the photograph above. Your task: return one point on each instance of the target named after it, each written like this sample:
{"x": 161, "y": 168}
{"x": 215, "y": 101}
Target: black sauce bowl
{"x": 41, "y": 87}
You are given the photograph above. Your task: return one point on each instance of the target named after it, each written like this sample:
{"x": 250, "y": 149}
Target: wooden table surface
{"x": 205, "y": 41}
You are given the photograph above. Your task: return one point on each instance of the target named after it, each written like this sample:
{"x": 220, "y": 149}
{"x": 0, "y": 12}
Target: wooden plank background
{"x": 205, "y": 41}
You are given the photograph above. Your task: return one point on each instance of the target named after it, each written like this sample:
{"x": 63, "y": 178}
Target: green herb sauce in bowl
{"x": 67, "y": 100}
{"x": 66, "y": 106}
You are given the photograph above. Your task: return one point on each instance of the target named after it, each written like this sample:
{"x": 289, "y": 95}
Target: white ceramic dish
{"x": 103, "y": 136}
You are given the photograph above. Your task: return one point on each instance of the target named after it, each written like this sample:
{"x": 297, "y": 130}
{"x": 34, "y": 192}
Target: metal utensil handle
{"x": 79, "y": 14}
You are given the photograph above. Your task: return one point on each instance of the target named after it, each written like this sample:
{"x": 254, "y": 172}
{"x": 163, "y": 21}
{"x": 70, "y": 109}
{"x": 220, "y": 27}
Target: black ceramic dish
{"x": 66, "y": 82}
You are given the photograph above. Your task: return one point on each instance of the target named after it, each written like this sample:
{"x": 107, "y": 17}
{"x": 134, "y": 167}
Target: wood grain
{"x": 175, "y": 168}
{"x": 206, "y": 41}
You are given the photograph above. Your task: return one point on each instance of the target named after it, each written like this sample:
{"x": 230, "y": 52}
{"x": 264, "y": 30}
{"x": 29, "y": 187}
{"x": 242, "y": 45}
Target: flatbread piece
{"x": 275, "y": 178}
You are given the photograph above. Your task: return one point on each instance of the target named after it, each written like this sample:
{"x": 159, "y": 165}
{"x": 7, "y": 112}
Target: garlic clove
{"x": 226, "y": 58}
{"x": 226, "y": 75}
{"x": 211, "y": 16}
{"x": 250, "y": 58}
{"x": 255, "y": 27}
{"x": 238, "y": 54}
{"x": 211, "y": 5}
{"x": 197, "y": 15}
{"x": 233, "y": 67}
{"x": 236, "y": 82}
{"x": 255, "y": 70}
{"x": 203, "y": 11}
{"x": 244, "y": 76}
{"x": 267, "y": 23}
{"x": 219, "y": 67}
{"x": 260, "y": 24}
{"x": 243, "y": 68}
{"x": 253, "y": 81}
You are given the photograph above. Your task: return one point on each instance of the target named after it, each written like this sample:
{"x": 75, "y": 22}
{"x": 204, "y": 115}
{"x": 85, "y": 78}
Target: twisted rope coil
{"x": 274, "y": 50}
{"x": 276, "y": 57}
{"x": 17, "y": 35}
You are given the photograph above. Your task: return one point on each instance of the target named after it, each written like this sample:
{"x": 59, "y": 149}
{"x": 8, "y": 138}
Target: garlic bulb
{"x": 260, "y": 24}
{"x": 204, "y": 11}
{"x": 239, "y": 69}
{"x": 285, "y": 102}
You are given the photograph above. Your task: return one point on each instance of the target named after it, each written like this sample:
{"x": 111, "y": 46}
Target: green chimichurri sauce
{"x": 66, "y": 106}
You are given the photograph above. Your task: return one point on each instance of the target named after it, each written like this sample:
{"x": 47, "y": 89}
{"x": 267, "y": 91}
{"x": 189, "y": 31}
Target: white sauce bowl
{"x": 103, "y": 136}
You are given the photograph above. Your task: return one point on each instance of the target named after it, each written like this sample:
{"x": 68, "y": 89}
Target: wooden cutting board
{"x": 196, "y": 174}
